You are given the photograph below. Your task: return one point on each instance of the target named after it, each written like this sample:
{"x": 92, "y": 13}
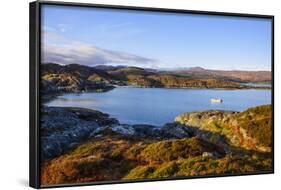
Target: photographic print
{"x": 128, "y": 95}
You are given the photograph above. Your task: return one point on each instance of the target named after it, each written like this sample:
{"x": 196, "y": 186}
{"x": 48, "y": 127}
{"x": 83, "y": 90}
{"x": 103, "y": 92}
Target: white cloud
{"x": 56, "y": 48}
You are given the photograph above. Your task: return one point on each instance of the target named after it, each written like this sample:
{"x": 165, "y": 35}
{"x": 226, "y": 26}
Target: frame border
{"x": 34, "y": 78}
{"x": 34, "y": 62}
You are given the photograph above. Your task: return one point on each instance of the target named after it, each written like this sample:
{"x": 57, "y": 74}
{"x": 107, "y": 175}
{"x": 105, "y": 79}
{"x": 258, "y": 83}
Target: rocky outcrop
{"x": 63, "y": 128}
{"x": 250, "y": 129}
{"x": 83, "y": 145}
{"x": 61, "y": 83}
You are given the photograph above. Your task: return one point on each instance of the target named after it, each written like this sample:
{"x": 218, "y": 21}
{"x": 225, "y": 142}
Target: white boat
{"x": 216, "y": 100}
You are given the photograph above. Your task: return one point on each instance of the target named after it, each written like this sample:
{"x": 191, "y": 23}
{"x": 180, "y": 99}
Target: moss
{"x": 169, "y": 150}
{"x": 258, "y": 123}
{"x": 135, "y": 151}
{"x": 165, "y": 170}
{"x": 87, "y": 149}
{"x": 92, "y": 161}
{"x": 115, "y": 157}
{"x": 201, "y": 166}
{"x": 140, "y": 172}
{"x": 250, "y": 129}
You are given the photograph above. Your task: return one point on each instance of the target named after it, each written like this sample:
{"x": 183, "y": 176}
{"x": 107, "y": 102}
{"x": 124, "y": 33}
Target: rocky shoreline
{"x": 58, "y": 79}
{"x": 82, "y": 145}
{"x": 63, "y": 128}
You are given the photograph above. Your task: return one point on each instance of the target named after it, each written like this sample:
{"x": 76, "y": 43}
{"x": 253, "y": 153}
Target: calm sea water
{"x": 257, "y": 85}
{"x": 158, "y": 106}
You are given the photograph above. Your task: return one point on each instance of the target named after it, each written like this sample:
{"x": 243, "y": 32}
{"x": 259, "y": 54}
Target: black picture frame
{"x": 34, "y": 106}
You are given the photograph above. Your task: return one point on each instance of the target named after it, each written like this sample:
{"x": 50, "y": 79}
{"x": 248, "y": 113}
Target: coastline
{"x": 51, "y": 95}
{"x": 81, "y": 136}
{"x": 97, "y": 122}
{"x": 243, "y": 87}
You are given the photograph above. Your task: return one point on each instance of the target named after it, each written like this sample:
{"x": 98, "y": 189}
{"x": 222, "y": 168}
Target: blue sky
{"x": 93, "y": 36}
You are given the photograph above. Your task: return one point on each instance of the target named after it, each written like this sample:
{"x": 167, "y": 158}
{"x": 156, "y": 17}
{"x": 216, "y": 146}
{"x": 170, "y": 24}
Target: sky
{"x": 95, "y": 36}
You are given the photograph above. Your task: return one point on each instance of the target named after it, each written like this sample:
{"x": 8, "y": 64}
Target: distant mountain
{"x": 234, "y": 75}
{"x": 193, "y": 69}
{"x": 120, "y": 67}
{"x": 109, "y": 67}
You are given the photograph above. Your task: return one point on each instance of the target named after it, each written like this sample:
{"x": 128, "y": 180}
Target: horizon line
{"x": 162, "y": 68}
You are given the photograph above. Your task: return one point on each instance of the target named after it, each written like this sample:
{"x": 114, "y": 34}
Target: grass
{"x": 258, "y": 123}
{"x": 165, "y": 151}
{"x": 115, "y": 159}
{"x": 201, "y": 166}
{"x": 250, "y": 129}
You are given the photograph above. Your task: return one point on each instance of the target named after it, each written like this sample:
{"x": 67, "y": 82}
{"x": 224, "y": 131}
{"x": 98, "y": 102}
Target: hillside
{"x": 198, "y": 143}
{"x": 234, "y": 75}
{"x": 78, "y": 78}
{"x": 250, "y": 129}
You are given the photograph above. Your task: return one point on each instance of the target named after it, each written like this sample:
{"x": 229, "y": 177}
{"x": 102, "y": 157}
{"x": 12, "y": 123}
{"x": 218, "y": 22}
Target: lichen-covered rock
{"x": 61, "y": 128}
{"x": 250, "y": 129}
{"x": 83, "y": 145}
{"x": 176, "y": 130}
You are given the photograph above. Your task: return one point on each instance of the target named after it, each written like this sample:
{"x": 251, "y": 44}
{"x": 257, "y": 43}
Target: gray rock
{"x": 175, "y": 130}
{"x": 61, "y": 128}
